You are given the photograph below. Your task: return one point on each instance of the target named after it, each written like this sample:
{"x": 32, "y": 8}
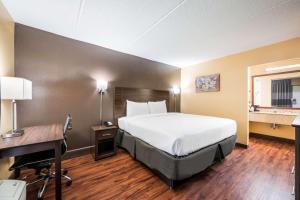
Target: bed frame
{"x": 171, "y": 169}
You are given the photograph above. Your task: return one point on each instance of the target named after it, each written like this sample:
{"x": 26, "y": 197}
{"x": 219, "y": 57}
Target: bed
{"x": 175, "y": 146}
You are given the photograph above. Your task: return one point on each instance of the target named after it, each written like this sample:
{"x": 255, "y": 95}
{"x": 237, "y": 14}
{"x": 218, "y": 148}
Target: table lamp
{"x": 13, "y": 88}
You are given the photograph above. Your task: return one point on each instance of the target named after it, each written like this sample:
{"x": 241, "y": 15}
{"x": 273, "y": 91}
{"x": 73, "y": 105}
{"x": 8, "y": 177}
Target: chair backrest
{"x": 67, "y": 127}
{"x": 68, "y": 124}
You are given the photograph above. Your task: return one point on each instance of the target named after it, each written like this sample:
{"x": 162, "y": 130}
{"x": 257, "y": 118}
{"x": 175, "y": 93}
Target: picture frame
{"x": 207, "y": 83}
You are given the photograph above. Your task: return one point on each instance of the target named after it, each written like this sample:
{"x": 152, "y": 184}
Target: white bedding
{"x": 177, "y": 133}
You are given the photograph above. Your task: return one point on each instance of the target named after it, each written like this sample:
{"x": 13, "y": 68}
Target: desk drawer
{"x": 106, "y": 134}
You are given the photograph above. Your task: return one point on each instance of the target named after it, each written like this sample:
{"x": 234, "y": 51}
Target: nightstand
{"x": 103, "y": 139}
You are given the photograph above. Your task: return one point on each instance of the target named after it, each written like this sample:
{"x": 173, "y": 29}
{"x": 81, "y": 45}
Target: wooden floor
{"x": 260, "y": 172}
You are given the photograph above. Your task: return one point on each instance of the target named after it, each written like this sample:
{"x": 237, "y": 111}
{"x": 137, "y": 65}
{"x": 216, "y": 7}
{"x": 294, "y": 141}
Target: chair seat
{"x": 37, "y": 160}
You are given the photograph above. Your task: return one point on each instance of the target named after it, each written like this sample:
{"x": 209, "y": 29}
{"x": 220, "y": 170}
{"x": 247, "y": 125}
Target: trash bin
{"x": 12, "y": 190}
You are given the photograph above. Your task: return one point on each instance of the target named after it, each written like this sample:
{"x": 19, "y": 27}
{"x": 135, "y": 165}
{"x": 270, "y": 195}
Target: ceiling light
{"x": 282, "y": 67}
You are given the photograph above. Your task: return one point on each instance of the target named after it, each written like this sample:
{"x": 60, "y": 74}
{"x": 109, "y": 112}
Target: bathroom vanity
{"x": 273, "y": 117}
{"x": 277, "y": 99}
{"x": 276, "y": 123}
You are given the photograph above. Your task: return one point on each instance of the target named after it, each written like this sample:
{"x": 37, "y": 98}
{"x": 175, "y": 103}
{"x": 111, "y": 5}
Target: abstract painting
{"x": 209, "y": 83}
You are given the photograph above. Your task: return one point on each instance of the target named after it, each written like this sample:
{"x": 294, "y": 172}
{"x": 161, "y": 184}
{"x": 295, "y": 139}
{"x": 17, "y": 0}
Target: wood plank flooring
{"x": 261, "y": 172}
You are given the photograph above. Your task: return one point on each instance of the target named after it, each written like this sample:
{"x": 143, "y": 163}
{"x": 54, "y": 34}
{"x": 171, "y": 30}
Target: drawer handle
{"x": 106, "y": 134}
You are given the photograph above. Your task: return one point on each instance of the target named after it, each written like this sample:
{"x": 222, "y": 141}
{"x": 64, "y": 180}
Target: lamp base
{"x": 10, "y": 134}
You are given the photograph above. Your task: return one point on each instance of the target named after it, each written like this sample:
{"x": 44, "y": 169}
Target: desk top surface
{"x": 34, "y": 135}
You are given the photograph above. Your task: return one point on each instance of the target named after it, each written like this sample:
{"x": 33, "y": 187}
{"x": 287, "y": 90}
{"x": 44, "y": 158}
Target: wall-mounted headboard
{"x": 136, "y": 94}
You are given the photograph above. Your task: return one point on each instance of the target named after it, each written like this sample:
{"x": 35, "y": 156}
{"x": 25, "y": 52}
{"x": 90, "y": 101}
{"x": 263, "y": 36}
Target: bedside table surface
{"x": 102, "y": 127}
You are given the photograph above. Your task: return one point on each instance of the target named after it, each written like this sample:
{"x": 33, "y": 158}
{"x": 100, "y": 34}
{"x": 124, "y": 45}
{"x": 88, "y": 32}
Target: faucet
{"x": 274, "y": 126}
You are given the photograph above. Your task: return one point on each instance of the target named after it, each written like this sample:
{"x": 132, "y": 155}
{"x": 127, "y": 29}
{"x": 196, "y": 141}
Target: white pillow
{"x": 157, "y": 107}
{"x": 136, "y": 108}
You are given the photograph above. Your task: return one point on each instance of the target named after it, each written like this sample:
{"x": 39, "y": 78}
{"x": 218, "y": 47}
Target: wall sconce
{"x": 101, "y": 88}
{"x": 175, "y": 90}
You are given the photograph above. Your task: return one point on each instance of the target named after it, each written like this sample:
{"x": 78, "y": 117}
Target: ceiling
{"x": 176, "y": 32}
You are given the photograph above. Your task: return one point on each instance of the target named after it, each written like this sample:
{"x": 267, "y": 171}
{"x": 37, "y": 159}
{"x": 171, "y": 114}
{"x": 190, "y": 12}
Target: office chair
{"x": 42, "y": 161}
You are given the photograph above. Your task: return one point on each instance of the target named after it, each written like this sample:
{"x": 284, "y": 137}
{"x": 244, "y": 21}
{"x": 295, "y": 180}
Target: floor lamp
{"x": 13, "y": 88}
{"x": 101, "y": 87}
{"x": 176, "y": 90}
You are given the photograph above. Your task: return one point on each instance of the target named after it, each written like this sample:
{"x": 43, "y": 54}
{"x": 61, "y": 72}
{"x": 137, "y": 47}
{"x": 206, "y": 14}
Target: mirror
{"x": 277, "y": 90}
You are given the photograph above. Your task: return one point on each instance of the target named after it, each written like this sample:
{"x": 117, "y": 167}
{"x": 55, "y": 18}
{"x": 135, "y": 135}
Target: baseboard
{"x": 241, "y": 145}
{"x": 269, "y": 137}
{"x": 77, "y": 152}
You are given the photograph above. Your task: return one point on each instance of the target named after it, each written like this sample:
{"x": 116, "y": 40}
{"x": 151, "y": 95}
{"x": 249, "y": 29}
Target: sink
{"x": 277, "y": 112}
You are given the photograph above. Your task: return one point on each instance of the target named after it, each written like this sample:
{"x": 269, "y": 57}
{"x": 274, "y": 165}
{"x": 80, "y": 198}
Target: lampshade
{"x": 101, "y": 85}
{"x": 14, "y": 88}
{"x": 176, "y": 90}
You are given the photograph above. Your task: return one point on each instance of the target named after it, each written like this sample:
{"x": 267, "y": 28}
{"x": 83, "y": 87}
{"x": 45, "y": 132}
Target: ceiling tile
{"x": 116, "y": 24}
{"x": 56, "y": 16}
{"x": 176, "y": 32}
{"x": 207, "y": 29}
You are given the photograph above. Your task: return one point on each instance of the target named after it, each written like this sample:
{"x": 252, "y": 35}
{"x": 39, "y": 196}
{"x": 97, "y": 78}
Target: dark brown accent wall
{"x": 64, "y": 73}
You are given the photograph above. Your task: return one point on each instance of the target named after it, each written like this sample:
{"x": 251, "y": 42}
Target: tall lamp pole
{"x": 101, "y": 106}
{"x": 175, "y": 102}
{"x": 101, "y": 87}
{"x": 176, "y": 90}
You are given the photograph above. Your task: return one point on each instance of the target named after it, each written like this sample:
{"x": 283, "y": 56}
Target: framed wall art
{"x": 209, "y": 83}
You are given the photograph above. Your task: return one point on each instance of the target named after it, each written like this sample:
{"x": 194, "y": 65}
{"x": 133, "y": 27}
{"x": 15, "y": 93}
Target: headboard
{"x": 136, "y": 94}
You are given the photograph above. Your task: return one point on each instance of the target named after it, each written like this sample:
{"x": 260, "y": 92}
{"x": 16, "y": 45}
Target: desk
{"x": 36, "y": 139}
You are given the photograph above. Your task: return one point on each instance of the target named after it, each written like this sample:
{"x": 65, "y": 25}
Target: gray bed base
{"x": 173, "y": 169}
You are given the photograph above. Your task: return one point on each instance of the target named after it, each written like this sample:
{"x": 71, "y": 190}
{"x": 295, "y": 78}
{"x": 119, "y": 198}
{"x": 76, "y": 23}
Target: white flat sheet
{"x": 177, "y": 133}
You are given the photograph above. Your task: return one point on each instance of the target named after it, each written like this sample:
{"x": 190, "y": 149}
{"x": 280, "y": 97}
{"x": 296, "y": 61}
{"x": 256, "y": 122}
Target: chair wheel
{"x": 65, "y": 172}
{"x": 38, "y": 191}
{"x": 69, "y": 183}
